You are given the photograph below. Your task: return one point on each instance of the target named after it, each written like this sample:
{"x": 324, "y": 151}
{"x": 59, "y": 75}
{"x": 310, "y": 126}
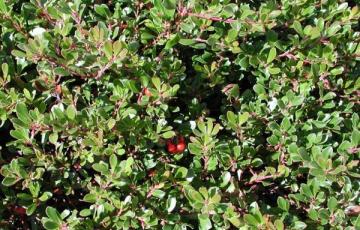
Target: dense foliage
{"x": 99, "y": 99}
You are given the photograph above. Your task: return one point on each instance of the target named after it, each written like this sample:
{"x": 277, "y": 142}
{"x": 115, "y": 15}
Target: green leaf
{"x": 101, "y": 167}
{"x": 315, "y": 33}
{"x": 5, "y": 70}
{"x": 193, "y": 196}
{"x": 108, "y": 50}
{"x": 296, "y": 101}
{"x": 196, "y": 196}
{"x": 231, "y": 117}
{"x": 332, "y": 203}
{"x": 186, "y": 42}
{"x": 168, "y": 134}
{"x": 342, "y": 6}
{"x": 20, "y": 134}
{"x": 279, "y": 225}
{"x": 333, "y": 29}
{"x": 91, "y": 198}
{"x": 232, "y": 35}
{"x": 23, "y": 113}
{"x": 226, "y": 177}
{"x": 181, "y": 172}
{"x": 85, "y": 212}
{"x": 283, "y": 204}
{"x": 273, "y": 140}
{"x": 61, "y": 71}
{"x": 274, "y": 71}
{"x": 174, "y": 39}
{"x": 170, "y": 204}
{"x": 31, "y": 209}
{"x": 158, "y": 193}
{"x": 215, "y": 130}
{"x": 243, "y": 118}
{"x": 215, "y": 199}
{"x": 170, "y": 4}
{"x": 313, "y": 214}
{"x": 117, "y": 47}
{"x": 53, "y": 138}
{"x": 50, "y": 225}
{"x": 18, "y": 53}
{"x": 195, "y": 149}
{"x": 53, "y": 214}
{"x": 204, "y": 222}
{"x": 122, "y": 55}
{"x": 259, "y": 89}
{"x": 34, "y": 188}
{"x": 235, "y": 220}
{"x": 216, "y": 76}
{"x": 299, "y": 225}
{"x": 338, "y": 70}
{"x": 71, "y": 112}
{"x": 25, "y": 196}
{"x": 157, "y": 83}
{"x": 355, "y": 137}
{"x": 250, "y": 219}
{"x": 102, "y": 10}
{"x": 3, "y": 7}
{"x": 9, "y": 181}
{"x": 111, "y": 123}
{"x": 128, "y": 164}
{"x": 271, "y": 55}
{"x": 298, "y": 28}
{"x": 113, "y": 161}
{"x": 329, "y": 96}
{"x": 285, "y": 124}
{"x": 45, "y": 196}
{"x": 28, "y": 95}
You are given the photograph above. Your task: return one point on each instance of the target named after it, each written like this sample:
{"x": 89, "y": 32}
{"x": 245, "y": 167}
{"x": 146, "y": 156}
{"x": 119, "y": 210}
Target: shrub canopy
{"x": 265, "y": 94}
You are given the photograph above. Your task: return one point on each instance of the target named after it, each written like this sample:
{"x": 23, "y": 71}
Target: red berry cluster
{"x": 176, "y": 145}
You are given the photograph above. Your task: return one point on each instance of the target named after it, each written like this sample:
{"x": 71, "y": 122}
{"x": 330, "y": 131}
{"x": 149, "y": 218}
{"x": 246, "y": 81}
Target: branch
{"x": 259, "y": 179}
{"x": 212, "y": 18}
{"x": 53, "y": 61}
{"x": 152, "y": 190}
{"x": 353, "y": 210}
{"x": 101, "y": 71}
{"x": 289, "y": 55}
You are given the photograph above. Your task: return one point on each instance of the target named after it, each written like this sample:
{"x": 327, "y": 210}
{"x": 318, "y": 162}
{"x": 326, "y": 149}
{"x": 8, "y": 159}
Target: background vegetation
{"x": 265, "y": 95}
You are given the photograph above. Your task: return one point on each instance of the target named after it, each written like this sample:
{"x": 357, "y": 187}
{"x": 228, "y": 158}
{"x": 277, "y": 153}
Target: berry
{"x": 58, "y": 89}
{"x": 147, "y": 92}
{"x": 19, "y": 210}
{"x": 171, "y": 147}
{"x": 180, "y": 147}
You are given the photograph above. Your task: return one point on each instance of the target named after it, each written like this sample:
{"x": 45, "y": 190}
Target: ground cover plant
{"x": 165, "y": 114}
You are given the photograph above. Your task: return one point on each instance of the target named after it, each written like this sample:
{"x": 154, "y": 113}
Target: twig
{"x": 67, "y": 68}
{"x": 353, "y": 210}
{"x": 152, "y": 190}
{"x": 101, "y": 71}
{"x": 259, "y": 179}
{"x": 212, "y": 18}
{"x": 288, "y": 55}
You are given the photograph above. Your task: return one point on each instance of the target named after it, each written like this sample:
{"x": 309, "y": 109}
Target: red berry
{"x": 147, "y": 92}
{"x": 181, "y": 144}
{"x": 58, "y": 89}
{"x": 181, "y": 139}
{"x": 57, "y": 191}
{"x": 20, "y": 210}
{"x": 171, "y": 148}
{"x": 152, "y": 173}
{"x": 180, "y": 147}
